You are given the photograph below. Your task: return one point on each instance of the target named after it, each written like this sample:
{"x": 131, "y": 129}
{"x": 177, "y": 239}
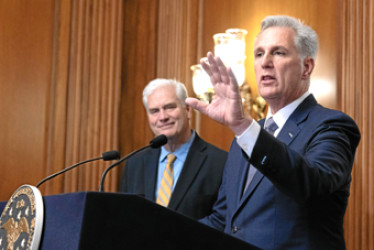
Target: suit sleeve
{"x": 217, "y": 218}
{"x": 317, "y": 163}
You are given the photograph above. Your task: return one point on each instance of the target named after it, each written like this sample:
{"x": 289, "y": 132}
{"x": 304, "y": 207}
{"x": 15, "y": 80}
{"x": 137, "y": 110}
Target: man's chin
{"x": 268, "y": 95}
{"x": 169, "y": 135}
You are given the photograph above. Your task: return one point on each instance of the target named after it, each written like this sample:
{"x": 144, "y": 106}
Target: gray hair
{"x": 180, "y": 89}
{"x": 306, "y": 39}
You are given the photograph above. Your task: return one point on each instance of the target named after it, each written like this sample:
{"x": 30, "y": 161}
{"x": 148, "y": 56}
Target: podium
{"x": 93, "y": 220}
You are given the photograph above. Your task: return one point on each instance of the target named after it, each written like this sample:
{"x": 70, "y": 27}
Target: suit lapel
{"x": 241, "y": 176}
{"x": 150, "y": 173}
{"x": 257, "y": 178}
{"x": 241, "y": 197}
{"x": 288, "y": 133}
{"x": 194, "y": 161}
{"x": 291, "y": 129}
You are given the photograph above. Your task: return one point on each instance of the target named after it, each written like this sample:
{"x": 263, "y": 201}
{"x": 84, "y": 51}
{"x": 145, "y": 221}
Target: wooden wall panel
{"x": 57, "y": 96}
{"x": 179, "y": 18}
{"x": 60, "y": 79}
{"x": 93, "y": 92}
{"x": 139, "y": 67}
{"x": 179, "y": 43}
{"x": 356, "y": 99}
{"x": 26, "y": 40}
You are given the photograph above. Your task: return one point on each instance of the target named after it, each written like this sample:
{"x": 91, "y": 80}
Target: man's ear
{"x": 308, "y": 67}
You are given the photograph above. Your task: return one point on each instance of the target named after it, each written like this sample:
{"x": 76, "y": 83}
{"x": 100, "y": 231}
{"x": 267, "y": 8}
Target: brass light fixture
{"x": 230, "y": 47}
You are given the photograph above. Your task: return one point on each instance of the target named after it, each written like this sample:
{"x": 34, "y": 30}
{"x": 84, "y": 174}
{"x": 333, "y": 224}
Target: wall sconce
{"x": 201, "y": 84}
{"x": 230, "y": 47}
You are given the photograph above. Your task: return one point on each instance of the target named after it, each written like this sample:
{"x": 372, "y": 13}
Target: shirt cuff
{"x": 248, "y": 138}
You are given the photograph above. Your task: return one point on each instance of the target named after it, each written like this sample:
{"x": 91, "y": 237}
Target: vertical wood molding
{"x": 356, "y": 99}
{"x": 90, "y": 92}
{"x": 179, "y": 43}
{"x": 57, "y": 99}
{"x": 177, "y": 39}
{"x": 139, "y": 67}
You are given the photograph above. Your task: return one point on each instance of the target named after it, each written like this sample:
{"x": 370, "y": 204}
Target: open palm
{"x": 226, "y": 107}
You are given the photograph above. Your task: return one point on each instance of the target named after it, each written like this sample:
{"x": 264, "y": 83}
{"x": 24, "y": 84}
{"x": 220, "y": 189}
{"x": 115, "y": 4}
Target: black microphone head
{"x": 158, "y": 141}
{"x": 111, "y": 155}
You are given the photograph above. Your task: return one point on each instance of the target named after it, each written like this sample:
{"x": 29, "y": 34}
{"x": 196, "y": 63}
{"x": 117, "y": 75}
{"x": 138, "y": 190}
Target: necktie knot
{"x": 271, "y": 126}
{"x": 170, "y": 158}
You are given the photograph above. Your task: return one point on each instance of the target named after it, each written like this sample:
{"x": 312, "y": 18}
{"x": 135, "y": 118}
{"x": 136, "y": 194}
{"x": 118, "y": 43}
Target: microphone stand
{"x": 101, "y": 187}
{"x": 106, "y": 156}
{"x": 66, "y": 169}
{"x": 156, "y": 142}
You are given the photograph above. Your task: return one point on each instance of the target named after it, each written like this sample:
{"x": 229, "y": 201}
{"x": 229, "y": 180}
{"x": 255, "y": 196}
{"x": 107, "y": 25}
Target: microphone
{"x": 156, "y": 142}
{"x": 106, "y": 156}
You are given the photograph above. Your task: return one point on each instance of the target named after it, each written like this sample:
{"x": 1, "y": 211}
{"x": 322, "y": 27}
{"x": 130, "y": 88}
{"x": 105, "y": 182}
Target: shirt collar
{"x": 181, "y": 151}
{"x": 283, "y": 114}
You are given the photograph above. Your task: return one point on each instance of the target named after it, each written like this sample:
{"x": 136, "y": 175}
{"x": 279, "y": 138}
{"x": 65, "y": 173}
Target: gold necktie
{"x": 166, "y": 185}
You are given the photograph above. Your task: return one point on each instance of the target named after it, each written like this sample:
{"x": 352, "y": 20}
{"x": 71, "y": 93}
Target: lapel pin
{"x": 264, "y": 160}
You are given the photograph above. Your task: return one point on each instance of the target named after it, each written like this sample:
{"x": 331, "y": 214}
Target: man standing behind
{"x": 287, "y": 178}
{"x": 185, "y": 174}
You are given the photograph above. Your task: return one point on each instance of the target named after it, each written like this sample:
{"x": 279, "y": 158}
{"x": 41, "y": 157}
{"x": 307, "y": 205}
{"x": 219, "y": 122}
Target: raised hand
{"x": 226, "y": 107}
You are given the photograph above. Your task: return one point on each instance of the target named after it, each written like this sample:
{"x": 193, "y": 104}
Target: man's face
{"x": 166, "y": 114}
{"x": 278, "y": 68}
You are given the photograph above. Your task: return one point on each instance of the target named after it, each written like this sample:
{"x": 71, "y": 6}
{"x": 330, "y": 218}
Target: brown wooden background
{"x": 72, "y": 73}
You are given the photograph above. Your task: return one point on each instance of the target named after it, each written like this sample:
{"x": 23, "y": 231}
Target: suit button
{"x": 234, "y": 229}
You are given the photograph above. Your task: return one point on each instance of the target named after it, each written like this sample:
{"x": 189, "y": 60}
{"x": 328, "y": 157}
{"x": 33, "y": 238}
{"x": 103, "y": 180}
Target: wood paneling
{"x": 60, "y": 81}
{"x": 26, "y": 40}
{"x": 139, "y": 67}
{"x": 57, "y": 96}
{"x": 179, "y": 18}
{"x": 356, "y": 98}
{"x": 93, "y": 91}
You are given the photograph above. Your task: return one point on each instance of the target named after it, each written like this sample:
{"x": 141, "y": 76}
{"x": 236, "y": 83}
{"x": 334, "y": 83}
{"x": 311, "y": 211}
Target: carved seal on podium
{"x": 21, "y": 222}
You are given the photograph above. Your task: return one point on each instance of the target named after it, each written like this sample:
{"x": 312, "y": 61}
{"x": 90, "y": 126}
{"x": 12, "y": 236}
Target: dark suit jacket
{"x": 298, "y": 196}
{"x": 197, "y": 186}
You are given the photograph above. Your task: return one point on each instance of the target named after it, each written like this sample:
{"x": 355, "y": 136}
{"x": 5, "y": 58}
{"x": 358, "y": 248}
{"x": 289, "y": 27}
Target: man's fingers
{"x": 196, "y": 104}
{"x": 223, "y": 71}
{"x": 214, "y": 67}
{"x": 206, "y": 67}
{"x": 211, "y": 68}
{"x": 216, "y": 70}
{"x": 233, "y": 79}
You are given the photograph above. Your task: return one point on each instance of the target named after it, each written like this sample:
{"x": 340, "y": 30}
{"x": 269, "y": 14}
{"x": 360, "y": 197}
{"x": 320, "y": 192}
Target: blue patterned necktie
{"x": 271, "y": 126}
